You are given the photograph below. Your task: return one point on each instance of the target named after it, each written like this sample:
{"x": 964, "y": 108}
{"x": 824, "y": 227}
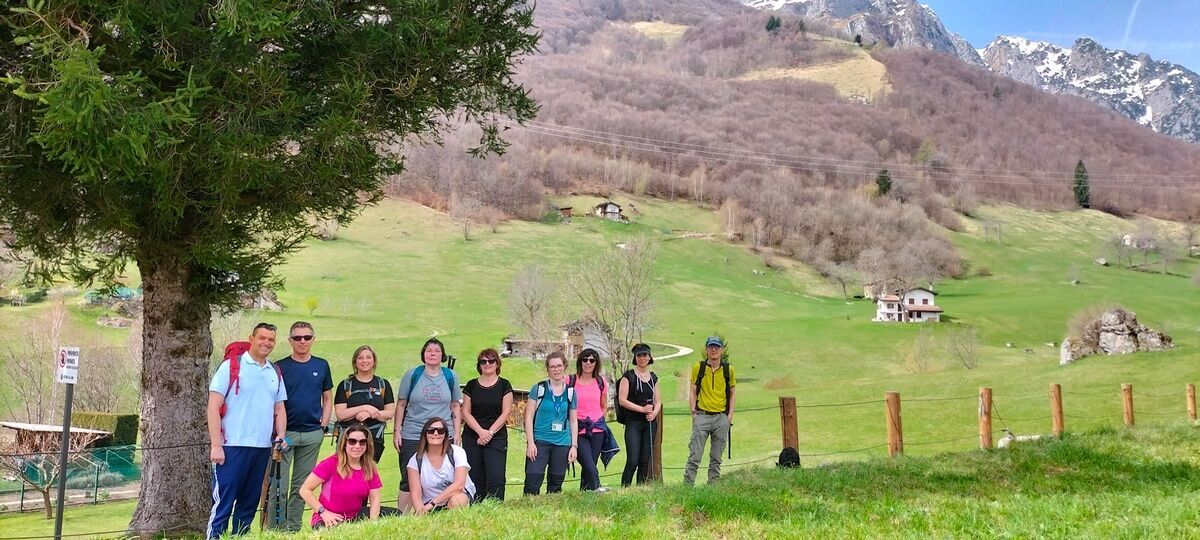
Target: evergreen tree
{"x": 1083, "y": 194}
{"x": 773, "y": 23}
{"x": 858, "y": 39}
{"x": 200, "y": 140}
{"x": 883, "y": 182}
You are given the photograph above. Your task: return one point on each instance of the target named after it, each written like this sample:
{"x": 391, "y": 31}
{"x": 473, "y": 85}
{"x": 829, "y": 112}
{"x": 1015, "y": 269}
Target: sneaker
{"x": 601, "y": 489}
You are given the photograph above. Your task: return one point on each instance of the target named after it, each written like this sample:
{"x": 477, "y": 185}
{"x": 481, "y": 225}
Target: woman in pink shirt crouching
{"x": 349, "y": 483}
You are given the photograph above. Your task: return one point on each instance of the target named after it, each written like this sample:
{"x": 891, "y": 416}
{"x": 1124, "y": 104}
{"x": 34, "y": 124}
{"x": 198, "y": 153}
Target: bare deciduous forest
{"x": 622, "y": 111}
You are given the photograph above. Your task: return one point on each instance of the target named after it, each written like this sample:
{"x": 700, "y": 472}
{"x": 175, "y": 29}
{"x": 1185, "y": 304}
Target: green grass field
{"x": 1106, "y": 484}
{"x": 403, "y": 272}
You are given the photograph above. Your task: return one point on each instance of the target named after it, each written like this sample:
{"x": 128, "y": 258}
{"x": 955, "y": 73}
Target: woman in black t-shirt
{"x": 487, "y": 402}
{"x": 364, "y": 397}
{"x": 638, "y": 407}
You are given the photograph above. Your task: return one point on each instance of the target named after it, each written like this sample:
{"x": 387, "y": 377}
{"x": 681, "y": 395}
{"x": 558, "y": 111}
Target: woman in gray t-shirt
{"x": 427, "y": 391}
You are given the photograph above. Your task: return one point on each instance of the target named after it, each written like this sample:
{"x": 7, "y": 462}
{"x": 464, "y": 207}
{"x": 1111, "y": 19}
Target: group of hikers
{"x": 452, "y": 440}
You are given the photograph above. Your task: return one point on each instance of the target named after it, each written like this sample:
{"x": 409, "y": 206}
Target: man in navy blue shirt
{"x": 310, "y": 402}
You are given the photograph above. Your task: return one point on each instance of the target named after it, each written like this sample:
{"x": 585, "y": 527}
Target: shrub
{"x": 124, "y": 427}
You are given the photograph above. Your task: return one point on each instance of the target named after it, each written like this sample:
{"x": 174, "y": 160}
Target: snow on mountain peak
{"x": 1157, "y": 94}
{"x": 774, "y": 5}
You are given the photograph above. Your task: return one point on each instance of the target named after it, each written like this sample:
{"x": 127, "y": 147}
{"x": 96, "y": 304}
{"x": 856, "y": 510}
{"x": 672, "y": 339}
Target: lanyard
{"x": 558, "y": 400}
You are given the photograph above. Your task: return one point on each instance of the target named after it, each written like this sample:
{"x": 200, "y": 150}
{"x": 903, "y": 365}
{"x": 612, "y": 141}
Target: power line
{"x": 833, "y": 165}
{"x": 538, "y": 123}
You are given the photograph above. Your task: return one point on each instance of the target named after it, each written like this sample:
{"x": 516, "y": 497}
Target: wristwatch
{"x": 320, "y": 510}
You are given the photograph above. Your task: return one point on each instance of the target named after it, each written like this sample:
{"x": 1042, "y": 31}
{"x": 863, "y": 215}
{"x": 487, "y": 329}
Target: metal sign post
{"x": 68, "y": 374}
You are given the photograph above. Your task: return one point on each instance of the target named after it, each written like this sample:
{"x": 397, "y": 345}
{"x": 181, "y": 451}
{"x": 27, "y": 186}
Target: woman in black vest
{"x": 487, "y": 403}
{"x": 639, "y": 405}
{"x": 365, "y": 397}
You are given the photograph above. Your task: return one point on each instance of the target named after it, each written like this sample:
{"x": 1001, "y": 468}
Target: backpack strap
{"x": 699, "y": 377}
{"x": 728, "y": 389}
{"x": 413, "y": 377}
{"x": 449, "y": 454}
{"x": 541, "y": 395}
{"x": 448, "y": 374}
{"x": 235, "y": 369}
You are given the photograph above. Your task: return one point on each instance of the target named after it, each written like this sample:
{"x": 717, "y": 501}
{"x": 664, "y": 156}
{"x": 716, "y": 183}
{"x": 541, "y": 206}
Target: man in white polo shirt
{"x": 241, "y": 438}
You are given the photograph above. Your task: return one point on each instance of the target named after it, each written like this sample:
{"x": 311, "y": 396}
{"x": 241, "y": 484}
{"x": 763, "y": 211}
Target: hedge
{"x": 124, "y": 427}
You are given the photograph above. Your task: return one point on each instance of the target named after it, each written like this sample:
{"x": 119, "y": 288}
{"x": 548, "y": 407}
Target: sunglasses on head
{"x": 487, "y": 361}
{"x": 436, "y": 431}
{"x": 308, "y": 337}
{"x": 356, "y": 442}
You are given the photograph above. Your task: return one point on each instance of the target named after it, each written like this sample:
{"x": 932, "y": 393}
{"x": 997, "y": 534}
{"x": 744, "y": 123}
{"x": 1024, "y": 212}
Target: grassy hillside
{"x": 669, "y": 33}
{"x": 860, "y": 76}
{"x": 403, "y": 272}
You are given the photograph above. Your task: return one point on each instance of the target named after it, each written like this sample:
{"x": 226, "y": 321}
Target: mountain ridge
{"x": 1154, "y": 93}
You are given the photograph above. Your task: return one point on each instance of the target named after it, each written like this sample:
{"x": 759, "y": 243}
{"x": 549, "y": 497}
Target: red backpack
{"x": 233, "y": 355}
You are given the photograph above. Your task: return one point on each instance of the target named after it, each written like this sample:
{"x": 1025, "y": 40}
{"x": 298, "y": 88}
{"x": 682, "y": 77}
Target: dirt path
{"x": 681, "y": 350}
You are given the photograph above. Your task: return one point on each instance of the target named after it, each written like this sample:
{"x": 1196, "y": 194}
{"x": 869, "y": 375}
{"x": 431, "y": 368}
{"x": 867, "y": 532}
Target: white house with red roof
{"x": 911, "y": 305}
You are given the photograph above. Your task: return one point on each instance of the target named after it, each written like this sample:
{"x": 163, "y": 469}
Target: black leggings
{"x": 590, "y": 445}
{"x": 637, "y": 447}
{"x": 488, "y": 464}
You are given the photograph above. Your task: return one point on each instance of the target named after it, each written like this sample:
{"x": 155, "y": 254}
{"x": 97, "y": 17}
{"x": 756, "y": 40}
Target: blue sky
{"x": 1164, "y": 29}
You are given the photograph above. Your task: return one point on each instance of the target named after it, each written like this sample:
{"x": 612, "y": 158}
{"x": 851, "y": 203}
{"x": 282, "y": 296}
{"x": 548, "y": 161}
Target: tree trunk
{"x": 176, "y": 490}
{"x": 46, "y": 503}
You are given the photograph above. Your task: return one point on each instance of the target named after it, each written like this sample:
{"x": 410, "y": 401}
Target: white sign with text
{"x": 68, "y": 365}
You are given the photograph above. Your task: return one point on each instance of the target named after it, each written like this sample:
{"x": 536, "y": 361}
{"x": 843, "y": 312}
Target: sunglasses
{"x": 589, "y": 359}
{"x": 356, "y": 442}
{"x": 488, "y": 361}
{"x": 436, "y": 431}
{"x": 308, "y": 337}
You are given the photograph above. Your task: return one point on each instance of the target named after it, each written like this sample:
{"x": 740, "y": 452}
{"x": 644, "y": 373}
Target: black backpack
{"x": 789, "y": 458}
{"x": 700, "y": 377}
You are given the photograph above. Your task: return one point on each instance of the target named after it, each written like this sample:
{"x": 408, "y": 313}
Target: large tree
{"x": 199, "y": 139}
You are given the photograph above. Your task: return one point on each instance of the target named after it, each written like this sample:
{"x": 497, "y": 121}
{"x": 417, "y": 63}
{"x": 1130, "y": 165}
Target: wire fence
{"x": 99, "y": 475}
{"x": 92, "y": 476}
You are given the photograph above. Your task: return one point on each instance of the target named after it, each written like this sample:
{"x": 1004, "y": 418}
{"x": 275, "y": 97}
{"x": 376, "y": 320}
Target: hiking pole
{"x": 264, "y": 499}
{"x": 651, "y": 475}
{"x": 278, "y": 498}
{"x": 270, "y": 481}
{"x": 729, "y": 438}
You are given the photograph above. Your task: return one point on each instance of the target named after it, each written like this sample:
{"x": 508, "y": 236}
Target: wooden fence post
{"x": 787, "y": 419}
{"x": 1191, "y": 402}
{"x": 1127, "y": 403}
{"x": 1056, "y": 410}
{"x": 985, "y": 418}
{"x": 895, "y": 433}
